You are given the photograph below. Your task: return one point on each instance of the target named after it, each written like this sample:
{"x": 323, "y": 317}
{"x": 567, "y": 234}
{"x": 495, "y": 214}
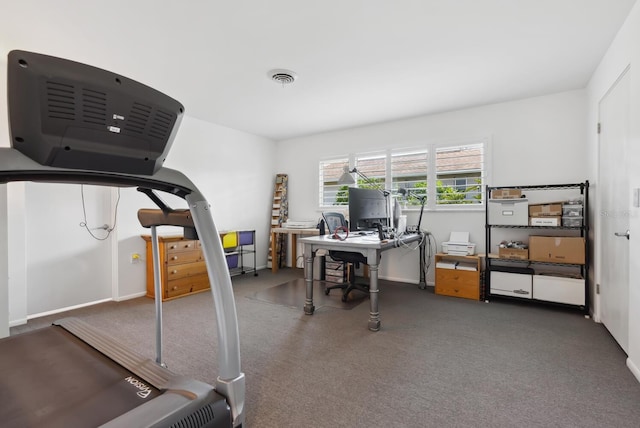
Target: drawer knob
{"x": 175, "y": 288}
{"x": 173, "y": 247}
{"x": 174, "y": 258}
{"x": 187, "y": 246}
{"x": 174, "y": 271}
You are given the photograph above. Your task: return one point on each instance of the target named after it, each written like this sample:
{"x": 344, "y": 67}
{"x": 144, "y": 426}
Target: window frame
{"x": 431, "y": 173}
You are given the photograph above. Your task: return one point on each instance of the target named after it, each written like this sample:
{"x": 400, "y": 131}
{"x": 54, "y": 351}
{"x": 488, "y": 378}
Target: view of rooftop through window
{"x": 455, "y": 176}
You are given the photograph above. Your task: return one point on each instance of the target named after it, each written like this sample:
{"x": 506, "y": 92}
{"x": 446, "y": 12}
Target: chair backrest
{"x": 334, "y": 220}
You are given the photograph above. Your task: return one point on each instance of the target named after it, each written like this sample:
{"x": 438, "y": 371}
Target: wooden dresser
{"x": 458, "y": 276}
{"x": 182, "y": 267}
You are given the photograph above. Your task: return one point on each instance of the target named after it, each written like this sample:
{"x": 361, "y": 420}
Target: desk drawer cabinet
{"x": 457, "y": 283}
{"x": 182, "y": 267}
{"x": 458, "y": 276}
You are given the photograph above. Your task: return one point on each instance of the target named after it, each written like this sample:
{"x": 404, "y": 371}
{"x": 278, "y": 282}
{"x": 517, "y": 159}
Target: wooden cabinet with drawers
{"x": 458, "y": 276}
{"x": 182, "y": 267}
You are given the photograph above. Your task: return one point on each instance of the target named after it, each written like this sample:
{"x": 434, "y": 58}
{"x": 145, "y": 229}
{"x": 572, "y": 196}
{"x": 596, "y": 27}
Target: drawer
{"x": 451, "y": 282}
{"x": 180, "y": 257}
{"x": 559, "y": 289}
{"x": 177, "y": 246}
{"x": 455, "y": 276}
{"x": 178, "y": 287}
{"x": 511, "y": 284}
{"x": 186, "y": 269}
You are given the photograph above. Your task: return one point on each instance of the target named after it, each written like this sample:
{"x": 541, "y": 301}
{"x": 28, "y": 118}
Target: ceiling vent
{"x": 283, "y": 77}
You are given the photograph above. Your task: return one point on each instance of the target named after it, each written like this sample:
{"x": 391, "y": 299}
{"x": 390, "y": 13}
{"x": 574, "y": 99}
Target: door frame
{"x": 598, "y": 235}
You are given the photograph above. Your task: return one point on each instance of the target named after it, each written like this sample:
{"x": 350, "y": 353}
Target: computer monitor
{"x": 367, "y": 209}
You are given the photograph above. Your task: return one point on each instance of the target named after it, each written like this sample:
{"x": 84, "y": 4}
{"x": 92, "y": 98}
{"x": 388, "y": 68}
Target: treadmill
{"x": 74, "y": 123}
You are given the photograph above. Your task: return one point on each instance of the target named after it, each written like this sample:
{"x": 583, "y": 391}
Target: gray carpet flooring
{"x": 437, "y": 361}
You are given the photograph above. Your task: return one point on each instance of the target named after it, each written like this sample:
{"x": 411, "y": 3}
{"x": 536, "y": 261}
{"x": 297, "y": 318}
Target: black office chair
{"x": 333, "y": 221}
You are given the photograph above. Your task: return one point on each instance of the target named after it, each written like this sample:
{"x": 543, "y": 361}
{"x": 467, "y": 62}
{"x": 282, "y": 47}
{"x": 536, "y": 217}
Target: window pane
{"x": 459, "y": 174}
{"x": 409, "y": 171}
{"x": 374, "y": 169}
{"x": 332, "y": 193}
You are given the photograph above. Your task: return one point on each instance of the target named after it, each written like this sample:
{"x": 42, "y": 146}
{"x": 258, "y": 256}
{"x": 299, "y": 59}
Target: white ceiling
{"x": 358, "y": 61}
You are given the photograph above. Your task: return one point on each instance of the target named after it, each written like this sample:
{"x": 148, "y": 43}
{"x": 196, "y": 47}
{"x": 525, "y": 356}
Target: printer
{"x": 459, "y": 245}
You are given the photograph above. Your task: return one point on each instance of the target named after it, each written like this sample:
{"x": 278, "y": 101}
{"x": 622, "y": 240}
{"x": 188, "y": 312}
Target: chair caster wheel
{"x": 344, "y": 298}
{"x": 327, "y": 292}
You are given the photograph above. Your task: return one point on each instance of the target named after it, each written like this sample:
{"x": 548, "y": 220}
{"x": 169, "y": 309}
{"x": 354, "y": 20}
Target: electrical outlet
{"x": 135, "y": 258}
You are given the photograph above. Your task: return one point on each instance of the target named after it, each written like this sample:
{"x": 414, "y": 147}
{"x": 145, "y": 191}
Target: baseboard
{"x": 634, "y": 369}
{"x": 16, "y": 323}
{"x": 131, "y": 296}
{"x": 405, "y": 280}
{"x": 68, "y": 308}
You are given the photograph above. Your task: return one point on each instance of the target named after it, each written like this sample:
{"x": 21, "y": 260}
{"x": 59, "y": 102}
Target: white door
{"x": 614, "y": 210}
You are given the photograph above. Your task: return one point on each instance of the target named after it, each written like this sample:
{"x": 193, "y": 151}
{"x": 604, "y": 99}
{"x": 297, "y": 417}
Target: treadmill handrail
{"x": 14, "y": 166}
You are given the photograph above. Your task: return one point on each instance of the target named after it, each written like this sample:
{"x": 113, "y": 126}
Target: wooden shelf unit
{"x": 451, "y": 281}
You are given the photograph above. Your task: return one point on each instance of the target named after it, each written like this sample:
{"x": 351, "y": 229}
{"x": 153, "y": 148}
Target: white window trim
{"x": 431, "y": 171}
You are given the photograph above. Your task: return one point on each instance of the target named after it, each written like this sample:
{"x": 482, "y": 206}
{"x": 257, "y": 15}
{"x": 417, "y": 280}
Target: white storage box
{"x": 546, "y": 221}
{"x": 511, "y": 284}
{"x": 559, "y": 289}
{"x": 508, "y": 212}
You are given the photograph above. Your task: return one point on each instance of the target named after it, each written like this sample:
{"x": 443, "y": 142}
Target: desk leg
{"x": 308, "y": 278}
{"x": 374, "y": 315}
{"x": 294, "y": 250}
{"x": 274, "y": 263}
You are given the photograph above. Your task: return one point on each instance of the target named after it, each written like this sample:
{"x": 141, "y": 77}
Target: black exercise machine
{"x": 73, "y": 123}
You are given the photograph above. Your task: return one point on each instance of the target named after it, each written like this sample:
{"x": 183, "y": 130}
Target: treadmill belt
{"x": 49, "y": 377}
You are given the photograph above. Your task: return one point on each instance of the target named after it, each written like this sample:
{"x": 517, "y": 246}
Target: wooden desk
{"x": 293, "y": 232}
{"x": 370, "y": 247}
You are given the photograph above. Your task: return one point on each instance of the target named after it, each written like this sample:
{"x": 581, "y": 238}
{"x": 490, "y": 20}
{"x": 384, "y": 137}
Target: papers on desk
{"x": 450, "y": 264}
{"x": 300, "y": 224}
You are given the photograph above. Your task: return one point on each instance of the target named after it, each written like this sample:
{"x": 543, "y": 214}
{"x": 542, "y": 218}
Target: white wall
{"x": 54, "y": 264}
{"x": 624, "y": 51}
{"x": 235, "y": 172}
{"x": 539, "y": 140}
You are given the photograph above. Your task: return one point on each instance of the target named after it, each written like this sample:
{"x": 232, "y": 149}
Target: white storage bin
{"x": 508, "y": 212}
{"x": 511, "y": 284}
{"x": 559, "y": 289}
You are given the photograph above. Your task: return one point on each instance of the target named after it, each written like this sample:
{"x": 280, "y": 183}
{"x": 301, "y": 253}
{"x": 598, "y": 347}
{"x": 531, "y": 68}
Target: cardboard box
{"x": 506, "y": 194}
{"x": 557, "y": 249}
{"x": 508, "y": 212}
{"x": 513, "y": 253}
{"x": 546, "y": 221}
{"x": 544, "y": 210}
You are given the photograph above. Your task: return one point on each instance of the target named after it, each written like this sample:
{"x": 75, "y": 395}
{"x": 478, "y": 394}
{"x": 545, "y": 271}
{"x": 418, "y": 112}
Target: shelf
{"x": 455, "y": 281}
{"x": 506, "y": 226}
{"x": 581, "y": 186}
{"x": 541, "y": 281}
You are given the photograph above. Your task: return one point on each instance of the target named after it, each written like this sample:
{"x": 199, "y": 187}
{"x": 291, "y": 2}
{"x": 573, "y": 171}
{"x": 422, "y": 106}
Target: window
{"x": 409, "y": 172}
{"x": 374, "y": 168}
{"x": 459, "y": 176}
{"x": 332, "y": 193}
{"x": 444, "y": 176}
